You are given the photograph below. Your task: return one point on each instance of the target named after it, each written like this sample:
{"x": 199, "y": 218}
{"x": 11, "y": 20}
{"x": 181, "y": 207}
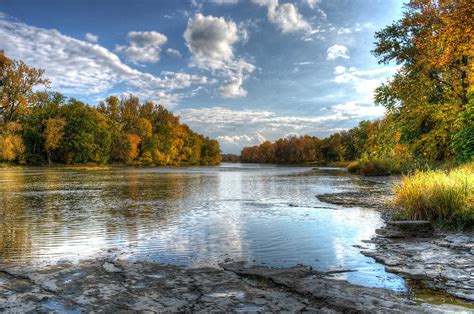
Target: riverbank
{"x": 438, "y": 260}
{"x": 112, "y": 285}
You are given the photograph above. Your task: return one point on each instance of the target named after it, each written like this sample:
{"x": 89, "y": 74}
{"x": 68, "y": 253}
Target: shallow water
{"x": 189, "y": 216}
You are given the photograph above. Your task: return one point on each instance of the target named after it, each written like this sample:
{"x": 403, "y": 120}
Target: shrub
{"x": 373, "y": 167}
{"x": 446, "y": 198}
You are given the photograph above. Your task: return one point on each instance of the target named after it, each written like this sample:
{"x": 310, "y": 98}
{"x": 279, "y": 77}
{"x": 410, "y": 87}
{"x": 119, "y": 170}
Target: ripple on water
{"x": 194, "y": 216}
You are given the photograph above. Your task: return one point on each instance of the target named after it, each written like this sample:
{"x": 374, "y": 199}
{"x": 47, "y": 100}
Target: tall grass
{"x": 446, "y": 198}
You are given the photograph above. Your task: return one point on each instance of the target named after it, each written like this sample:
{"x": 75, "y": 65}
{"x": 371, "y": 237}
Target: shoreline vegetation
{"x": 41, "y": 127}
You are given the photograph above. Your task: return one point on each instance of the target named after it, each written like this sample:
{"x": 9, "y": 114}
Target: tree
{"x": 53, "y": 135}
{"x": 433, "y": 44}
{"x": 17, "y": 95}
{"x": 11, "y": 144}
{"x": 86, "y": 135}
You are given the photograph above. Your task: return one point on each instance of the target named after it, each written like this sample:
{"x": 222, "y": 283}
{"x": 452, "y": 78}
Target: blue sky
{"x": 241, "y": 71}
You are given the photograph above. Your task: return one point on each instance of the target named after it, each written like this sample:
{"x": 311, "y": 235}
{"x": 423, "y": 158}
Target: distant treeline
{"x": 342, "y": 146}
{"x": 230, "y": 158}
{"x": 39, "y": 127}
{"x": 429, "y": 102}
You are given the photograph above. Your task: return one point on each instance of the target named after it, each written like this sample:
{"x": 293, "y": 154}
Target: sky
{"x": 240, "y": 71}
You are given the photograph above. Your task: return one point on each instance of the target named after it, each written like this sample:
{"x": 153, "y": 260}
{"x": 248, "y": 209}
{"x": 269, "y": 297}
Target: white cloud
{"x": 224, "y": 1}
{"x": 79, "y": 67}
{"x": 232, "y": 87}
{"x": 364, "y": 81}
{"x": 173, "y": 53}
{"x": 237, "y": 128}
{"x": 91, "y": 37}
{"x": 359, "y": 109}
{"x": 337, "y": 51}
{"x": 210, "y": 40}
{"x": 339, "y": 69}
{"x": 242, "y": 140}
{"x": 312, "y": 3}
{"x": 285, "y": 16}
{"x": 143, "y": 46}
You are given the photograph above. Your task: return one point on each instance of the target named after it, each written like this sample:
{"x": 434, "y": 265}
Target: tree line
{"x": 45, "y": 127}
{"x": 429, "y": 102}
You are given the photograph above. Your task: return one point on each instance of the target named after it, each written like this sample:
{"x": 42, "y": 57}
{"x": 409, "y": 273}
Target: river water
{"x": 262, "y": 214}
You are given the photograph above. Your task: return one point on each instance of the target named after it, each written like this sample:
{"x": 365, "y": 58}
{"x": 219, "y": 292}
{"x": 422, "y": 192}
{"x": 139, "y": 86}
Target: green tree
{"x": 53, "y": 136}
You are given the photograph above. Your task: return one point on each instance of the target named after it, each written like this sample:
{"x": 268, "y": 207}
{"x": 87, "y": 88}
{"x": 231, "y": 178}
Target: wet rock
{"x": 442, "y": 262}
{"x": 355, "y": 199}
{"x": 406, "y": 229}
{"x": 111, "y": 268}
{"x": 141, "y": 287}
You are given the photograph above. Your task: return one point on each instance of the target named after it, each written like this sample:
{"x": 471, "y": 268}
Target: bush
{"x": 446, "y": 198}
{"x": 373, "y": 167}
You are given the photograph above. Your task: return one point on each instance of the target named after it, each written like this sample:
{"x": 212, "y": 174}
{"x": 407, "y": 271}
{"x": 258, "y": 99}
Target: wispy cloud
{"x": 78, "y": 67}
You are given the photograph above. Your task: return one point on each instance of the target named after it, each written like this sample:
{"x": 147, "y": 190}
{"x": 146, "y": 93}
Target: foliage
{"x": 17, "y": 95}
{"x": 230, "y": 158}
{"x": 463, "y": 140}
{"x": 374, "y": 167}
{"x": 443, "y": 197}
{"x": 43, "y": 126}
{"x": 433, "y": 44}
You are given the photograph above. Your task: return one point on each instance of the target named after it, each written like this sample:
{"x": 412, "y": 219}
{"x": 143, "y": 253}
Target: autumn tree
{"x": 53, "y": 135}
{"x": 18, "y": 95}
{"x": 12, "y": 147}
{"x": 427, "y": 97}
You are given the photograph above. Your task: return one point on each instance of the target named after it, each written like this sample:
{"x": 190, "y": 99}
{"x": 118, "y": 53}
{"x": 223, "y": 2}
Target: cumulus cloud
{"x": 210, "y": 40}
{"x": 143, "y": 46}
{"x": 81, "y": 68}
{"x": 285, "y": 16}
{"x": 173, "y": 53}
{"x": 337, "y": 51}
{"x": 91, "y": 37}
{"x": 363, "y": 81}
{"x": 232, "y": 87}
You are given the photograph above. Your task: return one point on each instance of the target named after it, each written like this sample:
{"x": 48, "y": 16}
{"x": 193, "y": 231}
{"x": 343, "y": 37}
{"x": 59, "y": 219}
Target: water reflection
{"x": 194, "y": 216}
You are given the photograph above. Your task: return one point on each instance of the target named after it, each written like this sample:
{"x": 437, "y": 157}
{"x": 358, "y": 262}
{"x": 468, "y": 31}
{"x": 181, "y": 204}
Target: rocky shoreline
{"x": 121, "y": 286}
{"x": 427, "y": 258}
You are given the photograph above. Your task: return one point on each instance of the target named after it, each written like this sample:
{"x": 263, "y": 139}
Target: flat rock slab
{"x": 120, "y": 286}
{"x": 442, "y": 262}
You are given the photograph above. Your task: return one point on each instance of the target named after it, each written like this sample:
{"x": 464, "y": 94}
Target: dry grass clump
{"x": 444, "y": 197}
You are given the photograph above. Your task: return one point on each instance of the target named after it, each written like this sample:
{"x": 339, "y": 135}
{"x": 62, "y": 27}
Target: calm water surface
{"x": 192, "y": 216}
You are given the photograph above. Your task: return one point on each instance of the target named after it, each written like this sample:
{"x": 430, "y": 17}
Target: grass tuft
{"x": 444, "y": 197}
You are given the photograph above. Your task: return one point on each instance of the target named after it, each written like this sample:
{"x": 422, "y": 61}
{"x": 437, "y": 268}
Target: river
{"x": 263, "y": 214}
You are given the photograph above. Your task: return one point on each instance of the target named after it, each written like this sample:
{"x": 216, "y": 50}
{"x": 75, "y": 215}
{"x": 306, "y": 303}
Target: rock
{"x": 440, "y": 262}
{"x": 177, "y": 289}
{"x": 405, "y": 229}
{"x": 111, "y": 268}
